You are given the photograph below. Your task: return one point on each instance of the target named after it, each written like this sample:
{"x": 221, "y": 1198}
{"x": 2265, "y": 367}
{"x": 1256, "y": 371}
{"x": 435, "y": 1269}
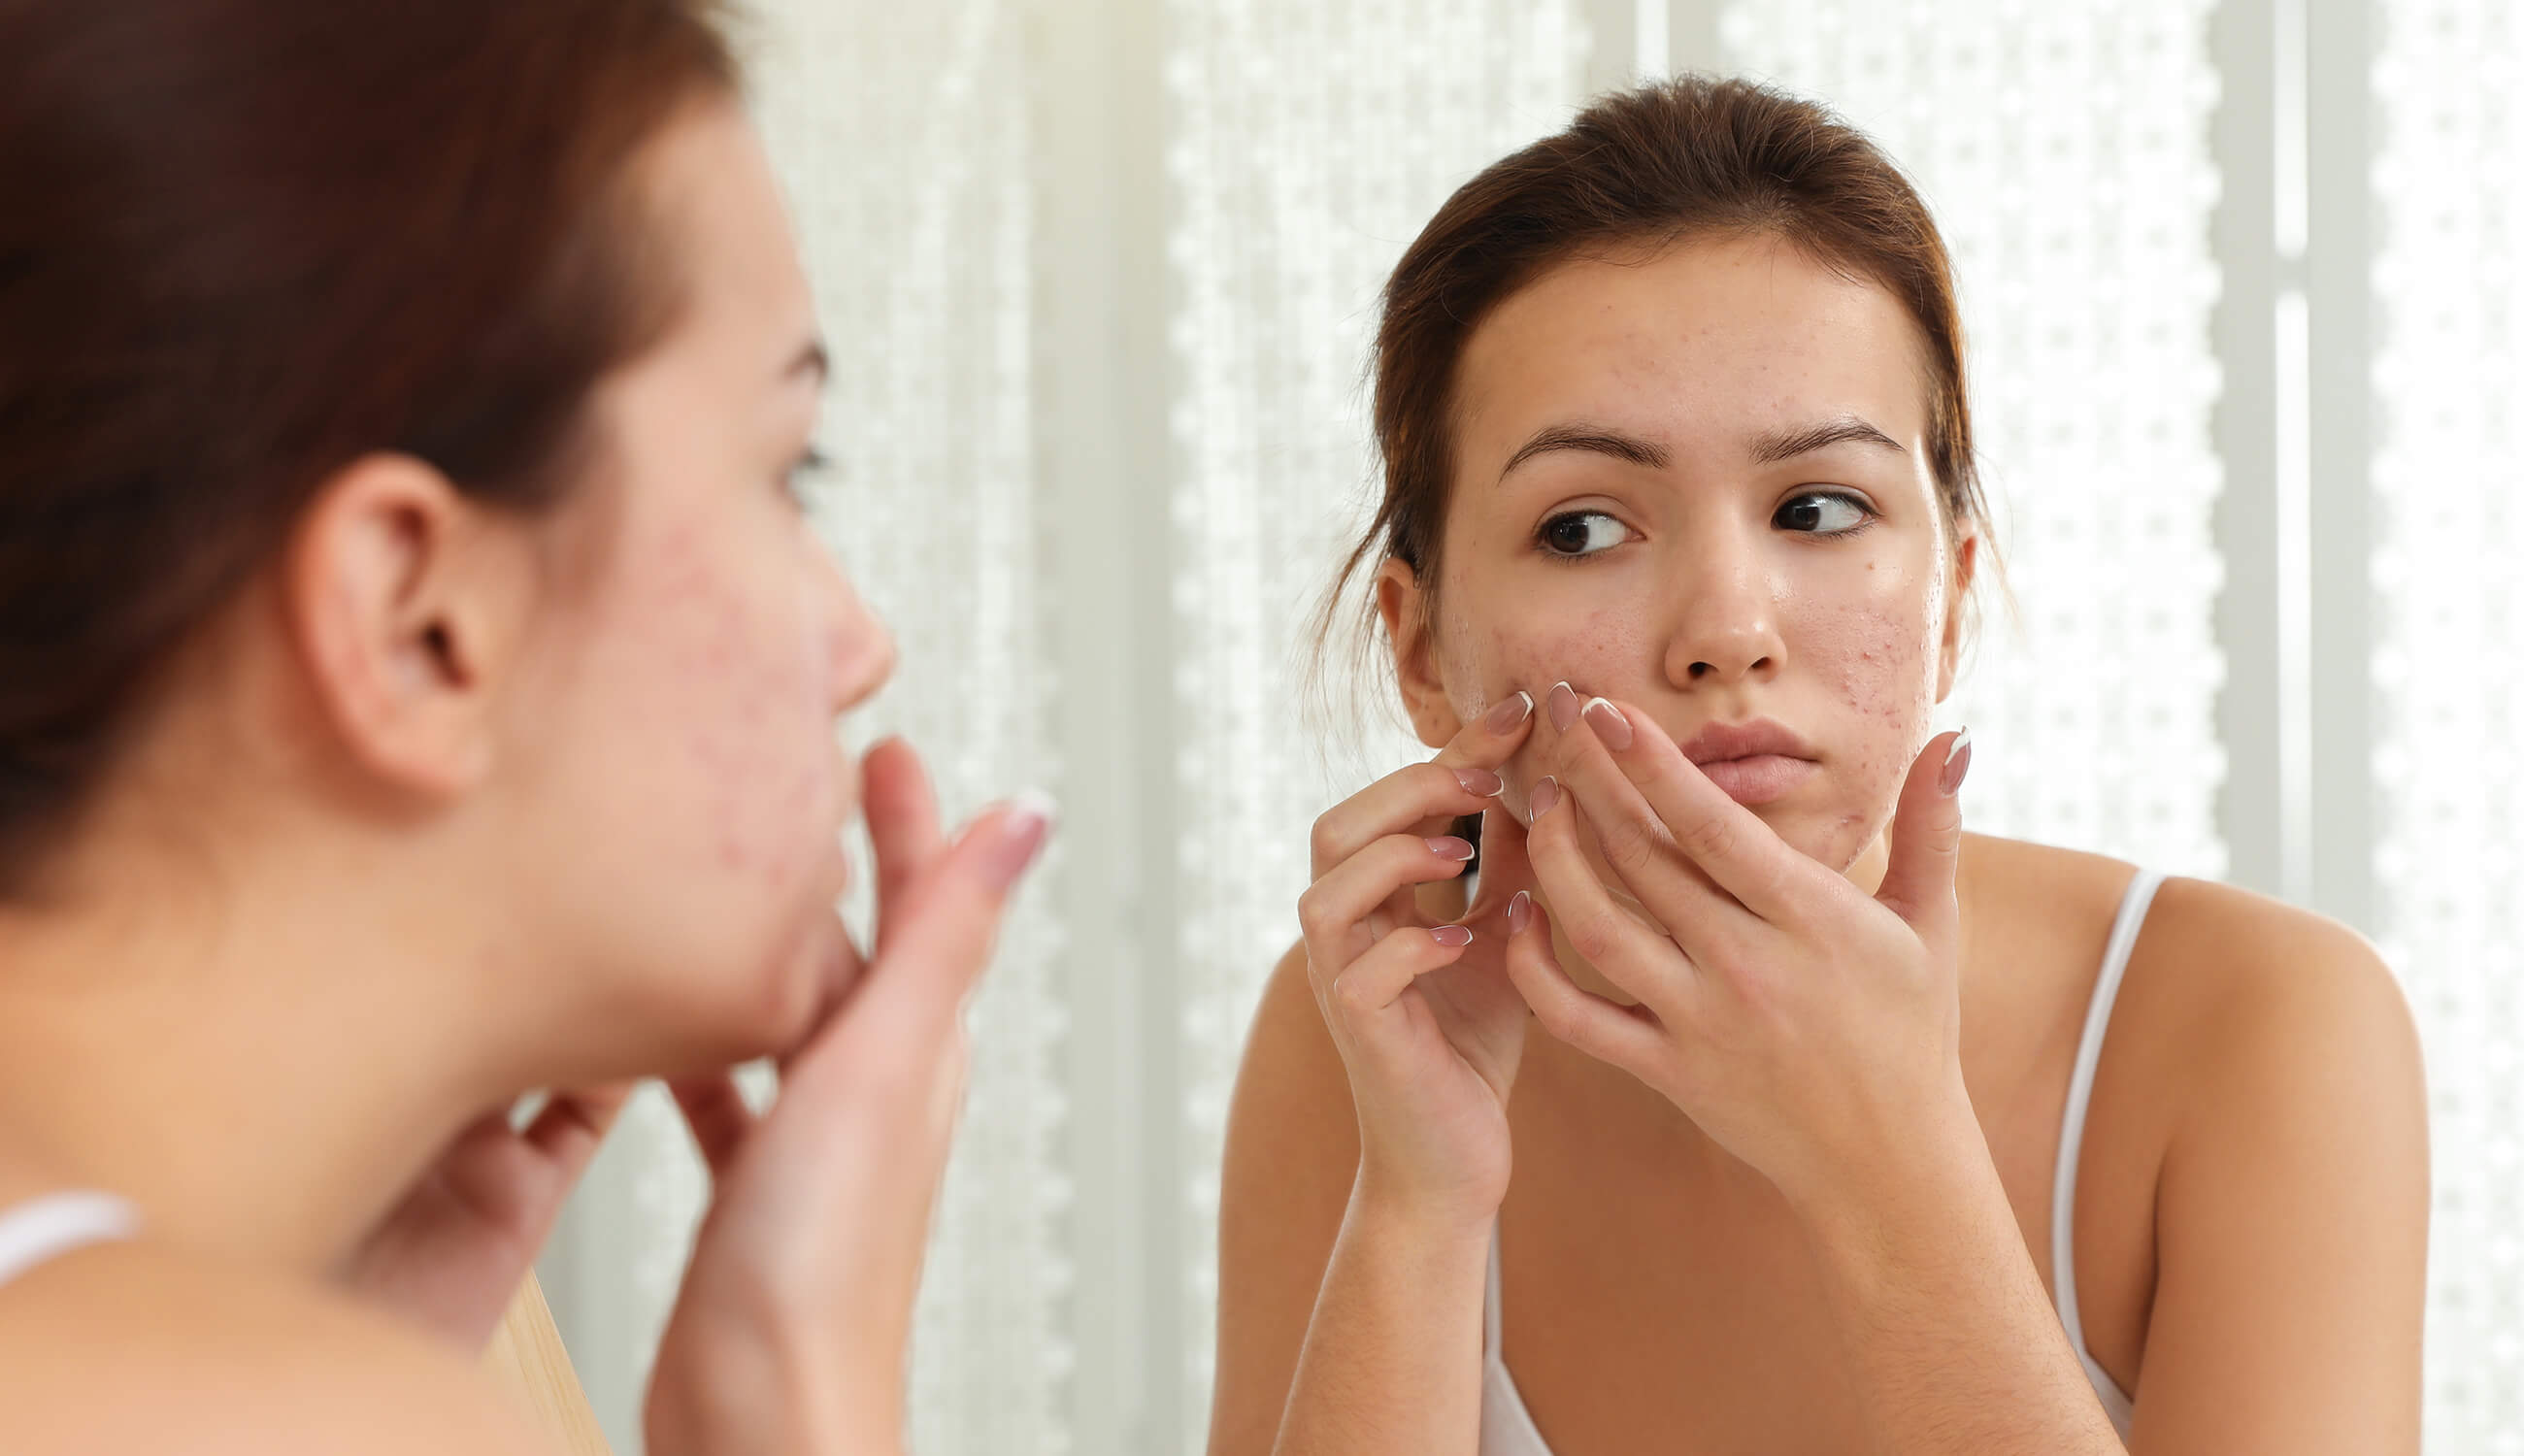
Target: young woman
{"x": 1846, "y": 1131}
{"x": 417, "y": 685}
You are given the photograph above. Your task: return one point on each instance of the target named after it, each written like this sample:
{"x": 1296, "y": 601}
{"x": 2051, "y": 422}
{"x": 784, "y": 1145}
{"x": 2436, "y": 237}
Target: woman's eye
{"x": 1820, "y": 514}
{"x": 809, "y": 465}
{"x": 1581, "y": 533}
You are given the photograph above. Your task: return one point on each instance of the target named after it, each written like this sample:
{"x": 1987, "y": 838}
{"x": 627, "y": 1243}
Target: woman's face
{"x": 1697, "y": 480}
{"x": 687, "y": 789}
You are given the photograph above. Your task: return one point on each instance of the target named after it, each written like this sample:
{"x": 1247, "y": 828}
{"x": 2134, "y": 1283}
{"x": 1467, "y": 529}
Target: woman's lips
{"x": 1759, "y": 778}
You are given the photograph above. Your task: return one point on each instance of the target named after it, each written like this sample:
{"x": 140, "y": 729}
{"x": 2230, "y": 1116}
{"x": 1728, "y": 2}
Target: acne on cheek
{"x": 1883, "y": 669}
{"x": 743, "y": 699}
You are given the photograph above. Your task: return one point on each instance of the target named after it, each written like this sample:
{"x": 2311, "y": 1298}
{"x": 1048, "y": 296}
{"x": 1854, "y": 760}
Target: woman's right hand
{"x": 1426, "y": 1022}
{"x": 790, "y": 1330}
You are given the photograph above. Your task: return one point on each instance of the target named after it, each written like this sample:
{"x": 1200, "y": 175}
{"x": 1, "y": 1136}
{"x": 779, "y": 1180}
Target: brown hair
{"x": 1647, "y": 167}
{"x": 245, "y": 242}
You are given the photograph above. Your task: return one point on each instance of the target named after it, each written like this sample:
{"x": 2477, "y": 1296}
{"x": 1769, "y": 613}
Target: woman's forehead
{"x": 1709, "y": 346}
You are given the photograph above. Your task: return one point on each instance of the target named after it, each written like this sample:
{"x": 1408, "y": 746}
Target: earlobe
{"x": 1403, "y": 607}
{"x": 395, "y": 619}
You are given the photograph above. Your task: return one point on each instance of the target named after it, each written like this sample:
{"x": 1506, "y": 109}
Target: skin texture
{"x": 1770, "y": 1170}
{"x": 449, "y": 805}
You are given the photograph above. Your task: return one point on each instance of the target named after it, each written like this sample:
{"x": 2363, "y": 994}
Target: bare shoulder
{"x": 1291, "y": 1155}
{"x": 2268, "y": 988}
{"x": 134, "y": 1346}
{"x": 2216, "y": 970}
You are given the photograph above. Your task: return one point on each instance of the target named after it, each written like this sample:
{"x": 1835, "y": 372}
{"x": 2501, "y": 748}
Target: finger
{"x": 572, "y": 1124}
{"x": 912, "y": 996}
{"x": 1641, "y": 961}
{"x": 1729, "y": 841}
{"x": 1927, "y": 838}
{"x": 1627, "y": 1037}
{"x": 720, "y": 1119}
{"x": 1334, "y": 909}
{"x": 901, "y": 811}
{"x": 1369, "y": 985}
{"x": 1462, "y": 779}
{"x": 1636, "y": 843}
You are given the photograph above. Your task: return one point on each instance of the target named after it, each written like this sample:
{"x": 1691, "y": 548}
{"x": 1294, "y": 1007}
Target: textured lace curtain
{"x": 1098, "y": 276}
{"x": 2447, "y": 176}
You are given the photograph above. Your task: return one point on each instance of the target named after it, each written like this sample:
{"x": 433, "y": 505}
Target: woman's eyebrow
{"x": 1595, "y": 439}
{"x": 1786, "y": 445}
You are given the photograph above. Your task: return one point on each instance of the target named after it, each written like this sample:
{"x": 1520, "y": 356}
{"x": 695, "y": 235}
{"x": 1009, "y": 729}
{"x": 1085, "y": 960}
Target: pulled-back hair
{"x": 245, "y": 242}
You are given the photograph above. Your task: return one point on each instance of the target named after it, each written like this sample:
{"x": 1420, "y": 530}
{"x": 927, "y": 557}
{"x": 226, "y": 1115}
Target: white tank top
{"x": 1507, "y": 1427}
{"x": 52, "y": 1225}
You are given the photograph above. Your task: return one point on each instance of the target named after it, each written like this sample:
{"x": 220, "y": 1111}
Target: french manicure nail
{"x": 1479, "y": 781}
{"x": 1564, "y": 706}
{"x": 1448, "y": 847}
{"x": 1520, "y": 913}
{"x": 1958, "y": 763}
{"x": 1508, "y": 712}
{"x": 1545, "y": 794}
{"x": 1031, "y": 815}
{"x": 1451, "y": 935}
{"x": 1609, "y": 724}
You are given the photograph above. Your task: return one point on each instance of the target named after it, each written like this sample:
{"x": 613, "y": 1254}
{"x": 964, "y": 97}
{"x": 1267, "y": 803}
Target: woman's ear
{"x": 1403, "y": 606}
{"x": 1958, "y": 585}
{"x": 405, "y": 603}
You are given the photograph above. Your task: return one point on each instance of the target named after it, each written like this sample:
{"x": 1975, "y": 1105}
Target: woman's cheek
{"x": 1879, "y": 669}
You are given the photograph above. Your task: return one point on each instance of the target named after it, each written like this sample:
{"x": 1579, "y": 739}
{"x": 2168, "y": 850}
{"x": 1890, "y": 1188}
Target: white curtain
{"x": 1099, "y": 275}
{"x": 2449, "y": 661}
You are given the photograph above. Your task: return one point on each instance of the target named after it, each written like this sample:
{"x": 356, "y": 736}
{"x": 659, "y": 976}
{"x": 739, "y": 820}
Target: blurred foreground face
{"x": 682, "y": 785}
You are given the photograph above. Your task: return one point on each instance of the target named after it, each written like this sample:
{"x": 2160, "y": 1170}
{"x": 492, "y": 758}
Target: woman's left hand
{"x": 1812, "y": 1030}
{"x": 452, "y": 1255}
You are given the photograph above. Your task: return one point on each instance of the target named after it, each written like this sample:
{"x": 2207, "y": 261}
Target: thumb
{"x": 942, "y": 939}
{"x": 1927, "y": 837}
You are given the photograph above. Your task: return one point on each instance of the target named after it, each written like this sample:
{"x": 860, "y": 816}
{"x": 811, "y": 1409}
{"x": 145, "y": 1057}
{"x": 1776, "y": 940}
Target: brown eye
{"x": 1820, "y": 514}
{"x": 1581, "y": 533}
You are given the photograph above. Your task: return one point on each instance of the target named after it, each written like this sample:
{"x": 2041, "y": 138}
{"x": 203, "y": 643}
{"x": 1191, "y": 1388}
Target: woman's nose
{"x": 861, "y": 645}
{"x": 1726, "y": 623}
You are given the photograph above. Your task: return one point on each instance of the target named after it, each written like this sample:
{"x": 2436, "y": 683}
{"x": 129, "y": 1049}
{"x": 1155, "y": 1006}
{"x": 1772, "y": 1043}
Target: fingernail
{"x": 1022, "y": 834}
{"x": 1509, "y": 712}
{"x": 1451, "y": 935}
{"x": 1447, "y": 847}
{"x": 1545, "y": 794}
{"x": 1520, "y": 913}
{"x": 1564, "y": 706}
{"x": 1958, "y": 763}
{"x": 1479, "y": 781}
{"x": 1609, "y": 724}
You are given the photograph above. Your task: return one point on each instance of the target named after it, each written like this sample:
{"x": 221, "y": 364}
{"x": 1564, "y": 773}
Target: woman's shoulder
{"x": 2225, "y": 985}
{"x": 2237, "y": 962}
{"x": 2273, "y": 994}
{"x": 136, "y": 1346}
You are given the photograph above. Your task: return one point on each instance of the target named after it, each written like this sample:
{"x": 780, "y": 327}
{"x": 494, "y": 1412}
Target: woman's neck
{"x": 264, "y": 1070}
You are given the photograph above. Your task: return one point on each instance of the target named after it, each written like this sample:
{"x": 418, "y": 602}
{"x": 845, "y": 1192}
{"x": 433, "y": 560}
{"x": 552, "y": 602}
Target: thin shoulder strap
{"x": 2081, "y": 1089}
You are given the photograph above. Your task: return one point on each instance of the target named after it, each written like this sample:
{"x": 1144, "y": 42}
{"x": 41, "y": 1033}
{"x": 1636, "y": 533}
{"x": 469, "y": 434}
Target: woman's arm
{"x": 2291, "y": 1230}
{"x": 2292, "y": 1210}
{"x": 1394, "y": 1351}
{"x": 1953, "y": 1342}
